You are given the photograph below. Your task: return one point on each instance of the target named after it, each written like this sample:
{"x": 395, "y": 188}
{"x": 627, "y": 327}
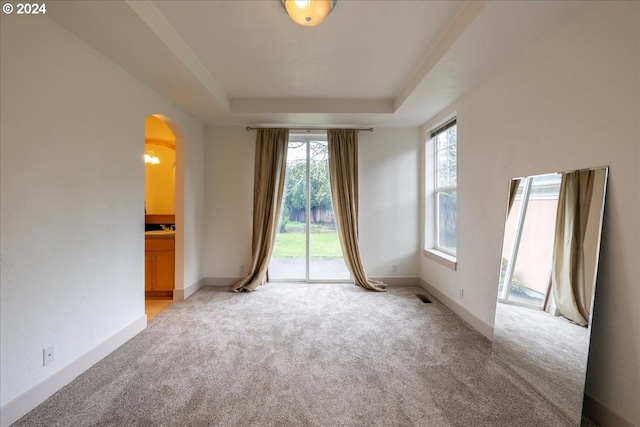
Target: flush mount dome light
{"x": 308, "y": 13}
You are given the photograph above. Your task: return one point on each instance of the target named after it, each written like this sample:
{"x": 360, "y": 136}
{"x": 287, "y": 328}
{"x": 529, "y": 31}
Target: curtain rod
{"x": 312, "y": 129}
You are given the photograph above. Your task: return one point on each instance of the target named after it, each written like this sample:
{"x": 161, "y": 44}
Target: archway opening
{"x": 164, "y": 208}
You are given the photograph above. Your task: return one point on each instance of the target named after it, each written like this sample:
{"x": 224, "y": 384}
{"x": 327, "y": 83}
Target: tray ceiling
{"x": 371, "y": 63}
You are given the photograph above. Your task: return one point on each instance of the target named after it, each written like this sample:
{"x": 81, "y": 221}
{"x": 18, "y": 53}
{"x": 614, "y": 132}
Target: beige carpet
{"x": 549, "y": 352}
{"x": 300, "y": 355}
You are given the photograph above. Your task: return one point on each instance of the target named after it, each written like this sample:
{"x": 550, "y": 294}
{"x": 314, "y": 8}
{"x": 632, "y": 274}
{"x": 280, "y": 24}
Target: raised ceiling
{"x": 371, "y": 63}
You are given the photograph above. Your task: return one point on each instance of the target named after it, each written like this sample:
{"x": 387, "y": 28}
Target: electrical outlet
{"x": 47, "y": 355}
{"x": 394, "y": 267}
{"x": 461, "y": 293}
{"x": 241, "y": 268}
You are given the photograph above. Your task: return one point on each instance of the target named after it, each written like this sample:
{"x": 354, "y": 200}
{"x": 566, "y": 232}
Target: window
{"x": 445, "y": 188}
{"x": 441, "y": 196}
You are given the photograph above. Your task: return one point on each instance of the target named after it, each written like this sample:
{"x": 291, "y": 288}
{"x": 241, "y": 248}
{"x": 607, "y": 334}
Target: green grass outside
{"x": 292, "y": 245}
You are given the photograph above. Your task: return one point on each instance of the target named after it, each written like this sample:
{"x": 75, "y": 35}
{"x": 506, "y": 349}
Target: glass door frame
{"x": 309, "y": 137}
{"x": 511, "y": 262}
{"x": 527, "y": 186}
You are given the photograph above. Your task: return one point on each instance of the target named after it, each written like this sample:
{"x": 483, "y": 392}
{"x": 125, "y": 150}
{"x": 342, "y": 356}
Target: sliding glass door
{"x": 307, "y": 247}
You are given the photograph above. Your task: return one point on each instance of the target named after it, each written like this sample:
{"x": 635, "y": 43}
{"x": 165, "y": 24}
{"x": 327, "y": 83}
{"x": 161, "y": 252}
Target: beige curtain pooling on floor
{"x": 268, "y": 186}
{"x": 343, "y": 177}
{"x": 571, "y": 293}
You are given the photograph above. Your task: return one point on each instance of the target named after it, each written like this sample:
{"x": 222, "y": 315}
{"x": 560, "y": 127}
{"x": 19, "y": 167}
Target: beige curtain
{"x": 513, "y": 190}
{"x": 343, "y": 176}
{"x": 268, "y": 186}
{"x": 571, "y": 293}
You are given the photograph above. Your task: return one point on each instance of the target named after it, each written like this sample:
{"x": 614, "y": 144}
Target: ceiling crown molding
{"x": 151, "y": 16}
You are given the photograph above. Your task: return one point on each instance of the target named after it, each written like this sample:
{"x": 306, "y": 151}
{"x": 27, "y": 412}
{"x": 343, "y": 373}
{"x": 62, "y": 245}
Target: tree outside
{"x": 291, "y": 241}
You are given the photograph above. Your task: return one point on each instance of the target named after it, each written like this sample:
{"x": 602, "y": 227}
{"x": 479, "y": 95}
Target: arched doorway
{"x": 164, "y": 207}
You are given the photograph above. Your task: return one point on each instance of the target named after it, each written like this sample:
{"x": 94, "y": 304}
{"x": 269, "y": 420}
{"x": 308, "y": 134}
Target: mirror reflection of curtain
{"x": 268, "y": 186}
{"x": 513, "y": 190}
{"x": 571, "y": 292}
{"x": 343, "y": 176}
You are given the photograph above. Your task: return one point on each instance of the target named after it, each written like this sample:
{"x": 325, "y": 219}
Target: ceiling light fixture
{"x": 308, "y": 13}
{"x": 149, "y": 157}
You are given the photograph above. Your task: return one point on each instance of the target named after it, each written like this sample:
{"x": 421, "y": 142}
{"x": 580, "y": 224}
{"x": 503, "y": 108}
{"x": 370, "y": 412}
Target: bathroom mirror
{"x": 546, "y": 287}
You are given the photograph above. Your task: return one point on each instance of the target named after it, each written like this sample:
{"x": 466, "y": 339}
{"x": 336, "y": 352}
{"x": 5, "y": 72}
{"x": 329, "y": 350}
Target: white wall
{"x": 571, "y": 101}
{"x": 72, "y": 185}
{"x": 190, "y": 177}
{"x": 389, "y": 201}
{"x": 229, "y": 154}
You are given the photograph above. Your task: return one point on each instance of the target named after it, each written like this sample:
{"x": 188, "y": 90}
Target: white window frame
{"x": 431, "y": 249}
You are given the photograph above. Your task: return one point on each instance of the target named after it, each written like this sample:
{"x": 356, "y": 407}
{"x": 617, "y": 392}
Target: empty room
{"x": 324, "y": 212}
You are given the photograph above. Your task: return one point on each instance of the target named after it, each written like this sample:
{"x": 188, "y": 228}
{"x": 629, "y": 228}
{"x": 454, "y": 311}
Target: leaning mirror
{"x": 547, "y": 282}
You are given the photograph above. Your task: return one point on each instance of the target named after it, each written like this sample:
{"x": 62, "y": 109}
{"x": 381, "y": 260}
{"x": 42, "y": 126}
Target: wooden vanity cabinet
{"x": 159, "y": 265}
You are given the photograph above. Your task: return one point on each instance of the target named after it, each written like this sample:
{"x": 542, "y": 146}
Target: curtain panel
{"x": 343, "y": 177}
{"x": 268, "y": 186}
{"x": 571, "y": 293}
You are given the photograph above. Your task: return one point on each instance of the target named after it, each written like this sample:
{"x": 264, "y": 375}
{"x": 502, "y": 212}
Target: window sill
{"x": 441, "y": 258}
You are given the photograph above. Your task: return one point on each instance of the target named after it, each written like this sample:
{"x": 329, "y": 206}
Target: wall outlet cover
{"x": 47, "y": 355}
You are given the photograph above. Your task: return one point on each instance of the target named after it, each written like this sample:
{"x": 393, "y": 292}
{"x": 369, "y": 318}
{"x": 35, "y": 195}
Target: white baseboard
{"x": 474, "y": 321}
{"x": 398, "y": 281}
{"x": 25, "y": 402}
{"x": 182, "y": 294}
{"x": 219, "y": 282}
{"x": 603, "y": 416}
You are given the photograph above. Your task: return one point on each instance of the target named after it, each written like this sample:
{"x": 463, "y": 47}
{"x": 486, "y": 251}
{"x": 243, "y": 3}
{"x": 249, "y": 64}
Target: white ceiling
{"x": 370, "y": 63}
